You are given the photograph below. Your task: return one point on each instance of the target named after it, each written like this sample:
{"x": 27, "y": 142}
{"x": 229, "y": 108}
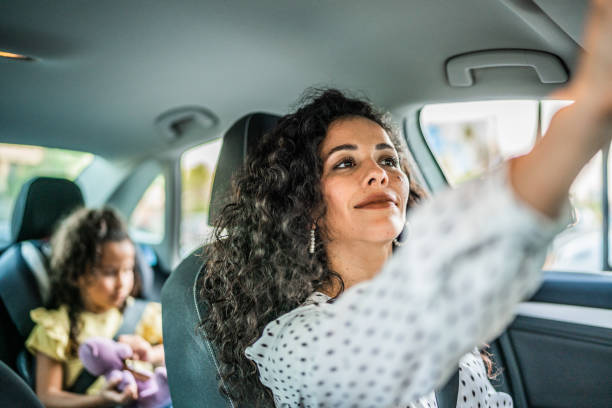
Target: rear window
{"x": 469, "y": 138}
{"x": 19, "y": 163}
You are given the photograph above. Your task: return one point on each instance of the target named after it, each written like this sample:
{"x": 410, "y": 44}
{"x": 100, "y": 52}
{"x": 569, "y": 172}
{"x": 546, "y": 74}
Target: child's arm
{"x": 49, "y": 379}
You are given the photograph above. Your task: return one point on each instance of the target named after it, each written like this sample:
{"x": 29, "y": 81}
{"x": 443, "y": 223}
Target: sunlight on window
{"x": 469, "y": 138}
{"x": 20, "y": 163}
{"x": 197, "y": 170}
{"x": 579, "y": 248}
{"x": 148, "y": 218}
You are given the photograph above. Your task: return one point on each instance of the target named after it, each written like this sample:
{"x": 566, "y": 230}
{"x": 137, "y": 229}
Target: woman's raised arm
{"x": 542, "y": 178}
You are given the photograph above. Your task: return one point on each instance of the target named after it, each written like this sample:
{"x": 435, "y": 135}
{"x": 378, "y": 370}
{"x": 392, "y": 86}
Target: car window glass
{"x": 469, "y": 138}
{"x": 579, "y": 248}
{"x": 147, "y": 221}
{"x": 19, "y": 163}
{"x": 197, "y": 170}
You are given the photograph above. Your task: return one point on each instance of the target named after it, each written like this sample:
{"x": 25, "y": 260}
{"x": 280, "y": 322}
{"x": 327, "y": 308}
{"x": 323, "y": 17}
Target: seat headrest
{"x": 41, "y": 203}
{"x": 238, "y": 142}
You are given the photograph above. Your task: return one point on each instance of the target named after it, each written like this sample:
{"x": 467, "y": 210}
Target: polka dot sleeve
{"x": 472, "y": 254}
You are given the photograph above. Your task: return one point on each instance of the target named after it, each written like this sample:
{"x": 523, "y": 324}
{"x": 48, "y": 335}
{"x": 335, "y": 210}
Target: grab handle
{"x": 549, "y": 68}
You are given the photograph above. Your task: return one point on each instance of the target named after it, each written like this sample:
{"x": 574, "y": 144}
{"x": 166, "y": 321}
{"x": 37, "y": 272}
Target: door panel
{"x": 558, "y": 351}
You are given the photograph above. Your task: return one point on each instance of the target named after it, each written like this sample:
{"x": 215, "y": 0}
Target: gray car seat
{"x": 193, "y": 370}
{"x": 190, "y": 360}
{"x": 41, "y": 203}
{"x": 24, "y": 282}
{"x": 14, "y": 391}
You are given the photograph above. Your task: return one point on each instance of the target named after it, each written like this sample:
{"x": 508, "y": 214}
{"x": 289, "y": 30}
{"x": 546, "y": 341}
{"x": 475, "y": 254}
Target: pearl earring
{"x": 397, "y": 243}
{"x": 311, "y": 247}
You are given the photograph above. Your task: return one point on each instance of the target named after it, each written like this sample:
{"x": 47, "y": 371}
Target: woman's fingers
{"x": 593, "y": 82}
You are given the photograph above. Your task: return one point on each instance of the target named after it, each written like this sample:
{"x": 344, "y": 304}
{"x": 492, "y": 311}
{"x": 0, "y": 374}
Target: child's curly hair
{"x": 76, "y": 246}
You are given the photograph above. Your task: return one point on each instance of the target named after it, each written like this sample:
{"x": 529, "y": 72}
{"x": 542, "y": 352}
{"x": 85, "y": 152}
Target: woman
{"x": 301, "y": 282}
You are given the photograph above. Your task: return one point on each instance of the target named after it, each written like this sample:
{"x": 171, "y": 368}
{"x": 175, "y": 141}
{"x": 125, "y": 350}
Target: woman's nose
{"x": 376, "y": 175}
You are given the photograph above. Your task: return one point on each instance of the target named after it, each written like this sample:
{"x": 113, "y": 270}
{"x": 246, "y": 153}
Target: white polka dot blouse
{"x": 473, "y": 253}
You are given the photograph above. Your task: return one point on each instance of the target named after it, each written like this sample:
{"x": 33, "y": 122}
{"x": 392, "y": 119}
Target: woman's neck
{"x": 354, "y": 261}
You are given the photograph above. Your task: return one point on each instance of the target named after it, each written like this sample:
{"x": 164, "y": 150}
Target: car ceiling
{"x": 103, "y": 71}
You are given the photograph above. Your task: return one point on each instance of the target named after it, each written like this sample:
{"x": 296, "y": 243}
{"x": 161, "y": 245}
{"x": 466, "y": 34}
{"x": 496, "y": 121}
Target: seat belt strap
{"x": 37, "y": 262}
{"x": 131, "y": 318}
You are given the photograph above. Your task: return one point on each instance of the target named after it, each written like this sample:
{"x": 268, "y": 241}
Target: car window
{"x": 469, "y": 138}
{"x": 19, "y": 163}
{"x": 197, "y": 169}
{"x": 147, "y": 221}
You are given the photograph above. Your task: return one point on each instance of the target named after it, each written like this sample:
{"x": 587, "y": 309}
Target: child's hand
{"x": 142, "y": 349}
{"x": 110, "y": 394}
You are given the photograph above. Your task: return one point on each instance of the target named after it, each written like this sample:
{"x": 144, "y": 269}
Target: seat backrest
{"x": 193, "y": 370}
{"x": 41, "y": 203}
{"x": 14, "y": 391}
{"x": 24, "y": 281}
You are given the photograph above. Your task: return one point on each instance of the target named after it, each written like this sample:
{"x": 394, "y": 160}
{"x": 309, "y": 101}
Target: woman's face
{"x": 364, "y": 188}
{"x": 111, "y": 281}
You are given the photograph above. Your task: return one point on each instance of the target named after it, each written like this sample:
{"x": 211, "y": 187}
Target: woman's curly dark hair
{"x": 258, "y": 266}
{"x": 76, "y": 246}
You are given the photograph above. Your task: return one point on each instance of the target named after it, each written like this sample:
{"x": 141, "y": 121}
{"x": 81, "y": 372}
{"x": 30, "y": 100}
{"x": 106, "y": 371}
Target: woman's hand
{"x": 591, "y": 87}
{"x": 142, "y": 349}
{"x": 113, "y": 397}
{"x": 543, "y": 177}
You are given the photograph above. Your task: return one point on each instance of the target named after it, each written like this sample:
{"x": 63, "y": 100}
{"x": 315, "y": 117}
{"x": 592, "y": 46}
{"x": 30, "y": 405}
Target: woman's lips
{"x": 377, "y": 205}
{"x": 377, "y": 201}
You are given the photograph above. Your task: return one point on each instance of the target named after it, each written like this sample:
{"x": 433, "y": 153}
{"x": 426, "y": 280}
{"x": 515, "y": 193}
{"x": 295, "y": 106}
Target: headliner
{"x": 104, "y": 70}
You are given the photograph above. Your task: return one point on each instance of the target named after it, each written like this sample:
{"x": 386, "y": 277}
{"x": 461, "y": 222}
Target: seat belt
{"x": 36, "y": 255}
{"x": 131, "y": 317}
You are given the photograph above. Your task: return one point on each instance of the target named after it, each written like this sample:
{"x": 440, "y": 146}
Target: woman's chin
{"x": 382, "y": 233}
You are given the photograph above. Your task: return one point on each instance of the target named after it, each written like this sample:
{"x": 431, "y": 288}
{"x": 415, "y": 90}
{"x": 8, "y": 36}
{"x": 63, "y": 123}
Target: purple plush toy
{"x": 101, "y": 356}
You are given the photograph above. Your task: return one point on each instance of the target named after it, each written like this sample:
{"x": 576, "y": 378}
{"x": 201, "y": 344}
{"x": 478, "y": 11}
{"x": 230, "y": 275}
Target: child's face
{"x": 111, "y": 280}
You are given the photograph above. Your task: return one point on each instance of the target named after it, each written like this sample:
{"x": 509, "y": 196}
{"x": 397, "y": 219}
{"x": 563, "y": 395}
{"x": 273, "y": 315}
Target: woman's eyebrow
{"x": 380, "y": 146}
{"x": 341, "y": 147}
{"x": 383, "y": 146}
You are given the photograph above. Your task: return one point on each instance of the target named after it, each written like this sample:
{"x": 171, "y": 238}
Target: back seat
{"x": 24, "y": 280}
{"x": 41, "y": 203}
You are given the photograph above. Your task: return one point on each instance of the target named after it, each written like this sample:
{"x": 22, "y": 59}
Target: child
{"x": 92, "y": 278}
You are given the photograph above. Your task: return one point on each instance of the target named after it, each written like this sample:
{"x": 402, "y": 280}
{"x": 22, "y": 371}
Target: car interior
{"x": 134, "y": 95}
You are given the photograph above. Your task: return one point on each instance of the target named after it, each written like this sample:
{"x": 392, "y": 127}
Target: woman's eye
{"x": 345, "y": 163}
{"x": 390, "y": 161}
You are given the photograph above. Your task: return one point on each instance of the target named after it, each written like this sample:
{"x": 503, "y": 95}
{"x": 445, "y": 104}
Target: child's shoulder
{"x": 51, "y": 333}
{"x": 50, "y": 317}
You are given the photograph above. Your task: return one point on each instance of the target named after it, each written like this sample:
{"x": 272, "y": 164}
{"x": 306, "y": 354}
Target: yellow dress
{"x": 50, "y": 336}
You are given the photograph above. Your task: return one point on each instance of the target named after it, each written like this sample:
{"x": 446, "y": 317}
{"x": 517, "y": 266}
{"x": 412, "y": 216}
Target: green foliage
{"x": 197, "y": 183}
{"x": 18, "y": 164}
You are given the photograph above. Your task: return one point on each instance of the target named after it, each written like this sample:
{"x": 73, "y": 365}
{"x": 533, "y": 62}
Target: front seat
{"x": 193, "y": 371}
{"x": 41, "y": 203}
